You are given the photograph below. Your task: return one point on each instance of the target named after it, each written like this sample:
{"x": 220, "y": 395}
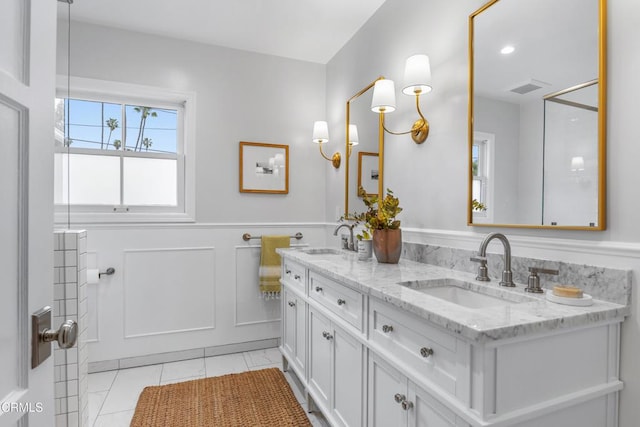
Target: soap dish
{"x": 585, "y": 301}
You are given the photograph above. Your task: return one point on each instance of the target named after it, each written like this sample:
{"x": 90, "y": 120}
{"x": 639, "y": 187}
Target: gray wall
{"x": 240, "y": 96}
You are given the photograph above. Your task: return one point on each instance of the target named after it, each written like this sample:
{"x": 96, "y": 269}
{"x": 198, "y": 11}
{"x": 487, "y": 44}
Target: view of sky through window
{"x": 100, "y": 125}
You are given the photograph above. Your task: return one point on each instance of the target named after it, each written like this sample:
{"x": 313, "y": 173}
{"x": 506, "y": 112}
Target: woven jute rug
{"x": 249, "y": 399}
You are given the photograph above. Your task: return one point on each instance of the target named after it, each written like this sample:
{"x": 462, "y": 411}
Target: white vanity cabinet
{"x": 394, "y": 400}
{"x": 371, "y": 354}
{"x": 294, "y": 330}
{"x": 336, "y": 371}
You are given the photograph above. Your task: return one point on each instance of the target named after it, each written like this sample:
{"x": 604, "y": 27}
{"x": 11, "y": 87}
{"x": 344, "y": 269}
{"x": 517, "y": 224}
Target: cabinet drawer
{"x": 346, "y": 303}
{"x": 294, "y": 274}
{"x": 432, "y": 353}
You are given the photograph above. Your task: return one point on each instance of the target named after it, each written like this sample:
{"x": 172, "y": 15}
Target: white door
{"x": 27, "y": 88}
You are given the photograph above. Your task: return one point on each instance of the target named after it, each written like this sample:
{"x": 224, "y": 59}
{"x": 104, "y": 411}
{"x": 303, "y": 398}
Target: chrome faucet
{"x": 349, "y": 243}
{"x": 482, "y": 259}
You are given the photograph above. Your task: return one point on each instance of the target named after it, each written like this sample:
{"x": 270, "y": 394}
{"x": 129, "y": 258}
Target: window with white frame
{"x": 481, "y": 163}
{"x": 121, "y": 154}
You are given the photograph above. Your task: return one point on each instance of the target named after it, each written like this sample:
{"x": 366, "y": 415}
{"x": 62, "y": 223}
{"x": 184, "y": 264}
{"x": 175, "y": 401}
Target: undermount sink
{"x": 322, "y": 251}
{"x": 466, "y": 294}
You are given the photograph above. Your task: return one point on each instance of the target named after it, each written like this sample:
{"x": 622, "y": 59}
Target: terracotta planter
{"x": 387, "y": 245}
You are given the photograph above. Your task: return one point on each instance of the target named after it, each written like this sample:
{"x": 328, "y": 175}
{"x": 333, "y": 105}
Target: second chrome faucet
{"x": 349, "y": 243}
{"x": 483, "y": 275}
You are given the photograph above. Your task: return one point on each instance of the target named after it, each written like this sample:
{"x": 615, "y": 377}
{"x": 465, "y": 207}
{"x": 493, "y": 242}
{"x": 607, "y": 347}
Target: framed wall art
{"x": 264, "y": 168}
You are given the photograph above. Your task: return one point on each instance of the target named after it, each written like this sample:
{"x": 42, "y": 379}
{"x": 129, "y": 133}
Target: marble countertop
{"x": 529, "y": 314}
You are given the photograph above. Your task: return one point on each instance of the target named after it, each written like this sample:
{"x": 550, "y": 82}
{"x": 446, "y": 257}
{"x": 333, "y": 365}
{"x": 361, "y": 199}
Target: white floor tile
{"x": 127, "y": 387}
{"x": 273, "y": 365}
{"x": 180, "y": 380}
{"x": 225, "y": 364}
{"x": 183, "y": 369}
{"x": 117, "y": 419}
{"x": 96, "y": 400}
{"x": 101, "y": 381}
{"x": 269, "y": 356}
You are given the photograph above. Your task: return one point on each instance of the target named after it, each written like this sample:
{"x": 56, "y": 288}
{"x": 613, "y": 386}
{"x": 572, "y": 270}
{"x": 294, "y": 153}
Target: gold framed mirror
{"x": 537, "y": 114}
{"x": 369, "y": 141}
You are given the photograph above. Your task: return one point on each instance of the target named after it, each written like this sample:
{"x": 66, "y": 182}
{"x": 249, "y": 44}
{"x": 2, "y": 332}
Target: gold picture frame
{"x": 264, "y": 168}
{"x": 368, "y": 173}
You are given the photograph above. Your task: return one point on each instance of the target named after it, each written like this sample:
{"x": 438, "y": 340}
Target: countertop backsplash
{"x": 603, "y": 283}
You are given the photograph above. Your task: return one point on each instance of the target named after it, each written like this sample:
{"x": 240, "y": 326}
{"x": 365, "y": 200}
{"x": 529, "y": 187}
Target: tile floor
{"x": 113, "y": 394}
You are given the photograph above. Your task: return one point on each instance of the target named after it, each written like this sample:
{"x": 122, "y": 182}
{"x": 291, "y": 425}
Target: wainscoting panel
{"x": 162, "y": 285}
{"x": 251, "y": 307}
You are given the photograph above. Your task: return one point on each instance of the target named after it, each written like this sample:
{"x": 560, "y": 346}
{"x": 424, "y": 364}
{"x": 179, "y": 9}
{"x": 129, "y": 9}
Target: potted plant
{"x": 380, "y": 220}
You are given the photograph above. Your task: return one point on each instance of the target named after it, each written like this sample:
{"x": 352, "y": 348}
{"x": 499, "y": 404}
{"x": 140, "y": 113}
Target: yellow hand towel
{"x": 269, "y": 271}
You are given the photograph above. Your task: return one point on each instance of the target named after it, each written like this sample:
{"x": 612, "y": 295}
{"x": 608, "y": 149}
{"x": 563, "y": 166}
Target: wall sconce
{"x": 417, "y": 80}
{"x": 321, "y": 136}
{"x": 577, "y": 164}
{"x": 353, "y": 137}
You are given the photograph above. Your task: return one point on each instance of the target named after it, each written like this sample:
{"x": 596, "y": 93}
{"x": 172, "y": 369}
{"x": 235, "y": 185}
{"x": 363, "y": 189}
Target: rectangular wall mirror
{"x": 364, "y": 142}
{"x": 537, "y": 114}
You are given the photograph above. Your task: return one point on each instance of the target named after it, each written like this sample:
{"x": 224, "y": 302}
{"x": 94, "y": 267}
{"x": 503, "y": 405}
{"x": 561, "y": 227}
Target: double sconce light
{"x": 417, "y": 81}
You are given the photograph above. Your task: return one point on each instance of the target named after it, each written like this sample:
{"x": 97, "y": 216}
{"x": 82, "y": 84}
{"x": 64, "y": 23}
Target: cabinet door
{"x": 288, "y": 324}
{"x": 300, "y": 348}
{"x": 348, "y": 362}
{"x": 387, "y": 389}
{"x": 320, "y": 358}
{"x": 425, "y": 411}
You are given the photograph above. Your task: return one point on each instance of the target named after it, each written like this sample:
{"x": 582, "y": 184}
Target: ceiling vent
{"x": 529, "y": 86}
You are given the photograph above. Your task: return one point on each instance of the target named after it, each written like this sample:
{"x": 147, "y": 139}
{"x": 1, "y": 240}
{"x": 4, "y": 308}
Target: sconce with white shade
{"x": 577, "y": 164}
{"x": 321, "y": 136}
{"x": 353, "y": 135}
{"x": 417, "y": 81}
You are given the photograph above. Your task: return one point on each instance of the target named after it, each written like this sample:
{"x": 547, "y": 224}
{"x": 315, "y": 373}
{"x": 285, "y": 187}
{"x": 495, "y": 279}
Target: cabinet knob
{"x": 399, "y": 397}
{"x": 387, "y": 328}
{"x": 426, "y": 351}
{"x": 341, "y": 301}
{"x": 327, "y": 335}
{"x": 318, "y": 289}
{"x": 292, "y": 304}
{"x": 406, "y": 405}
{"x": 296, "y": 276}
{"x": 287, "y": 271}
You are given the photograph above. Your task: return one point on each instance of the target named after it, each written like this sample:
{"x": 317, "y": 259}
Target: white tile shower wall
{"x": 70, "y": 303}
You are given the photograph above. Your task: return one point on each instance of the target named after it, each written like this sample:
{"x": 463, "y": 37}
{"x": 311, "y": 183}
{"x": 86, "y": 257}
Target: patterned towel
{"x": 269, "y": 271}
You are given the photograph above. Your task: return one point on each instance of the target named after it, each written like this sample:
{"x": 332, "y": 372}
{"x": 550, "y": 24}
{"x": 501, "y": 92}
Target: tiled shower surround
{"x": 70, "y": 303}
{"x": 602, "y": 283}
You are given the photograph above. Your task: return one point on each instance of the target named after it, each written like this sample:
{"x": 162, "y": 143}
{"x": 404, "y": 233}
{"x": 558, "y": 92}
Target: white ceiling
{"x": 309, "y": 30}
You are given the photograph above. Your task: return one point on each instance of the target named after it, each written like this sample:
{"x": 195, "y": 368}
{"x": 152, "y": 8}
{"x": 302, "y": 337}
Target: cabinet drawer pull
{"x": 341, "y": 301}
{"x": 327, "y": 335}
{"x": 318, "y": 289}
{"x": 406, "y": 405}
{"x": 399, "y": 397}
{"x": 292, "y": 304}
{"x": 296, "y": 276}
{"x": 287, "y": 271}
{"x": 387, "y": 328}
{"x": 426, "y": 351}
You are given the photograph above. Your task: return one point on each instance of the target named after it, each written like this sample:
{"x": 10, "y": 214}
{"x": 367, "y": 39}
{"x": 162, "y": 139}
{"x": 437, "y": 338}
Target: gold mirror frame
{"x": 348, "y": 149}
{"x": 602, "y": 98}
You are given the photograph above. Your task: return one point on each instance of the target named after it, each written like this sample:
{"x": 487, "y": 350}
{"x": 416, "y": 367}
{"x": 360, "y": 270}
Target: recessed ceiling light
{"x": 507, "y": 50}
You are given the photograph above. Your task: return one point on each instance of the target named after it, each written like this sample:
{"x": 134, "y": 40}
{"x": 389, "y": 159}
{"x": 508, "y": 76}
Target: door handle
{"x": 66, "y": 335}
{"x": 42, "y": 335}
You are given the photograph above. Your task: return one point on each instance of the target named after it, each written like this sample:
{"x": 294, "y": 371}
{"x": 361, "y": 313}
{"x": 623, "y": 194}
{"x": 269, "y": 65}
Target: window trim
{"x": 486, "y": 154}
{"x": 134, "y": 94}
